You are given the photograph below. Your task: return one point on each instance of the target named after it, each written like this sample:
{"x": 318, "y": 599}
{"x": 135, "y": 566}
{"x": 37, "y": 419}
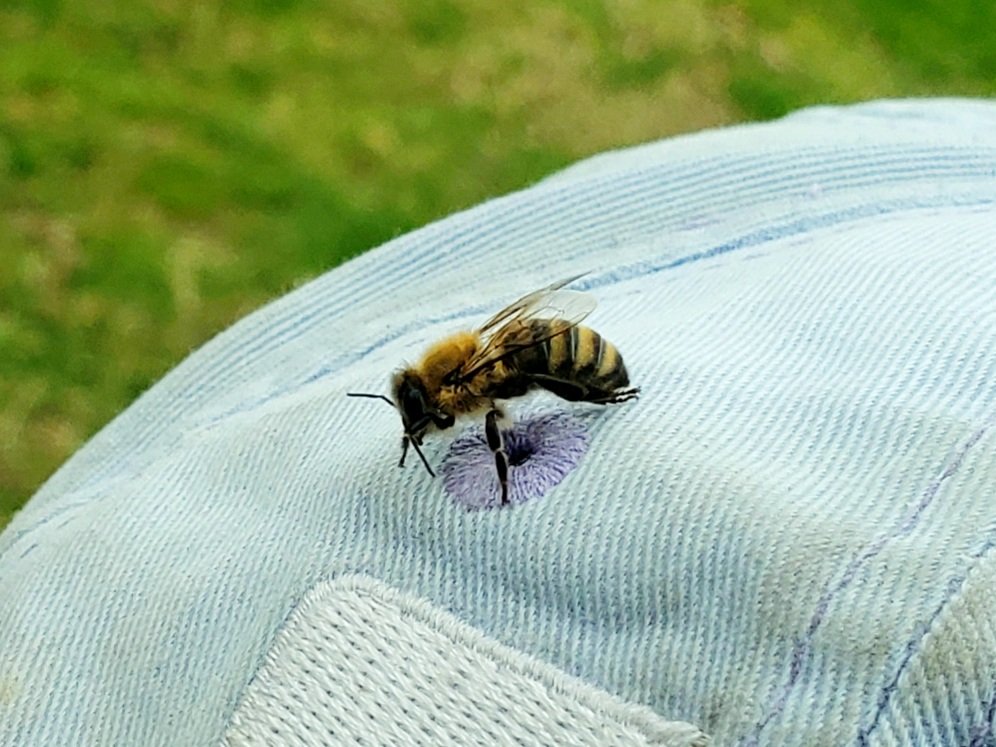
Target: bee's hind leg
{"x": 495, "y": 443}
{"x": 617, "y": 396}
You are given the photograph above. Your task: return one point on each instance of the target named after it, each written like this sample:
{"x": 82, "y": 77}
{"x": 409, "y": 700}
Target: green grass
{"x": 166, "y": 167}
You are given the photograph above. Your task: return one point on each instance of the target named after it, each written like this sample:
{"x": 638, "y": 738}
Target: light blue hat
{"x": 788, "y": 539}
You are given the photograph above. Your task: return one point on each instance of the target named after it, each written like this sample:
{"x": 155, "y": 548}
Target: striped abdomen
{"x": 576, "y": 364}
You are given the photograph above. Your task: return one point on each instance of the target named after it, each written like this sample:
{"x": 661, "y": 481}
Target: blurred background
{"x": 168, "y": 166}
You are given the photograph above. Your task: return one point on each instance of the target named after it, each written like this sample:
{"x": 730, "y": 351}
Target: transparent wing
{"x": 507, "y": 332}
{"x": 548, "y": 297}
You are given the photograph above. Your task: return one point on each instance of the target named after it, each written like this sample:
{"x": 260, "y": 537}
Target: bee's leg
{"x": 619, "y": 395}
{"x": 493, "y": 434}
{"x": 404, "y": 450}
{"x": 572, "y": 391}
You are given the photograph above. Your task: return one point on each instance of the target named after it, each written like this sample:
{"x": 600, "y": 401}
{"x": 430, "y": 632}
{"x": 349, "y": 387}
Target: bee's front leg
{"x": 404, "y": 450}
{"x": 493, "y": 434}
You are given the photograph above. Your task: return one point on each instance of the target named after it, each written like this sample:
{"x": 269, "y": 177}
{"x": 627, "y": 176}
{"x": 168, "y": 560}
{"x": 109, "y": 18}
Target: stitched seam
{"x": 955, "y": 587}
{"x": 803, "y": 644}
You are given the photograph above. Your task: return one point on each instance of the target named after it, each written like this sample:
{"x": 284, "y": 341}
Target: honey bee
{"x": 536, "y": 342}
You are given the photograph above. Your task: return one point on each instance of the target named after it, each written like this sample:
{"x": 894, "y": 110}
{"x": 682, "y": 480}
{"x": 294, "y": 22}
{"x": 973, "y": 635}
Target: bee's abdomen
{"x": 579, "y": 355}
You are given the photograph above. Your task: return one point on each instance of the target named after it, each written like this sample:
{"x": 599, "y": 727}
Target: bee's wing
{"x": 501, "y": 334}
{"x": 528, "y": 302}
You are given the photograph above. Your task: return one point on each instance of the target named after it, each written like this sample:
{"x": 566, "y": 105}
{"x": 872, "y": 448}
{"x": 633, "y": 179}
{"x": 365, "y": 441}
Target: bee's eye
{"x": 413, "y": 404}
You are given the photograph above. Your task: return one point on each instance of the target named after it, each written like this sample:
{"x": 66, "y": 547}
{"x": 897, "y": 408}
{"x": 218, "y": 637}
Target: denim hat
{"x": 788, "y": 539}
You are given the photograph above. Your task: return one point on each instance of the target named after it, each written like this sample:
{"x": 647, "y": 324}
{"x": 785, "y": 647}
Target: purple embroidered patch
{"x": 541, "y": 452}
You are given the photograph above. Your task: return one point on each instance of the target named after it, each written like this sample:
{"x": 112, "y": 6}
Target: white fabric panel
{"x": 360, "y": 663}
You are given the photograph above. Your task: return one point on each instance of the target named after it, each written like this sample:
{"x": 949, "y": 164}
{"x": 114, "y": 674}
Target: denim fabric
{"x": 787, "y": 540}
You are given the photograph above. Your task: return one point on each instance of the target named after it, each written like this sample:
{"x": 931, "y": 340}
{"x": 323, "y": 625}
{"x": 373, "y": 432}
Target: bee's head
{"x": 410, "y": 399}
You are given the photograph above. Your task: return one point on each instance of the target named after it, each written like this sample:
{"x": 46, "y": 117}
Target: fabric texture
{"x": 358, "y": 663}
{"x": 787, "y": 540}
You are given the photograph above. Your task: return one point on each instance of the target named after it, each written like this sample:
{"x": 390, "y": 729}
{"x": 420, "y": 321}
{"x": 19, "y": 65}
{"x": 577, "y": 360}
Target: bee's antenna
{"x": 414, "y": 443}
{"x": 405, "y": 440}
{"x": 372, "y": 396}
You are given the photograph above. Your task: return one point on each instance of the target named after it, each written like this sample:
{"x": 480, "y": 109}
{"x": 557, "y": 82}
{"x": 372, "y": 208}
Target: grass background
{"x": 166, "y": 166}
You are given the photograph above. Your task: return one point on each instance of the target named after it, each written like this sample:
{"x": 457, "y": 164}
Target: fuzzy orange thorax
{"x": 446, "y": 356}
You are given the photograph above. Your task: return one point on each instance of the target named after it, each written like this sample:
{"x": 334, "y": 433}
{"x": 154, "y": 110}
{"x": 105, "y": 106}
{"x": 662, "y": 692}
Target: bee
{"x": 536, "y": 342}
